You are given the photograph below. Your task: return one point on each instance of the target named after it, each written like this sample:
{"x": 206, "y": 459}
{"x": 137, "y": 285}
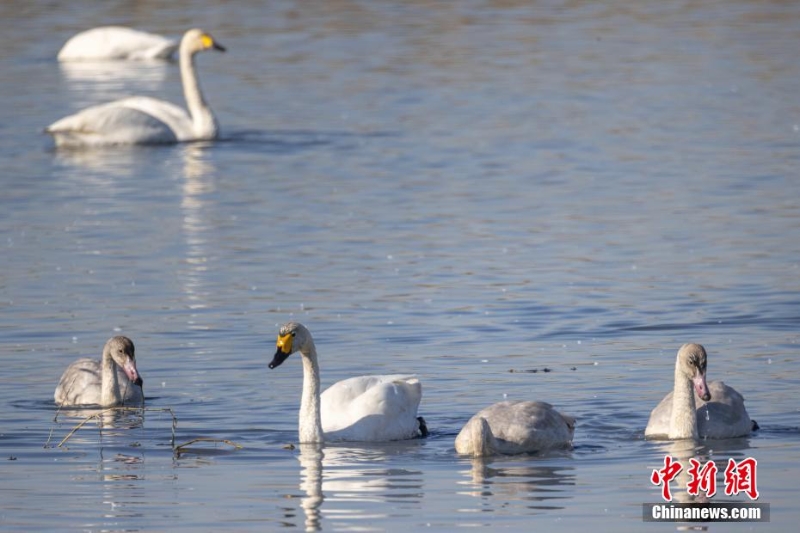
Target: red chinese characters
{"x": 739, "y": 477}
{"x": 665, "y": 475}
{"x": 704, "y": 478}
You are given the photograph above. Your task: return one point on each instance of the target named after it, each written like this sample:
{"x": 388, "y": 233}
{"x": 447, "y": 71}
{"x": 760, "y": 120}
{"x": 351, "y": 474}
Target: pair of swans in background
{"x": 384, "y": 408}
{"x": 140, "y": 119}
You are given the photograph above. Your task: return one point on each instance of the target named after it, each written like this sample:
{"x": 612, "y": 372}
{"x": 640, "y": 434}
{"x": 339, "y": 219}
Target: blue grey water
{"x": 468, "y": 191}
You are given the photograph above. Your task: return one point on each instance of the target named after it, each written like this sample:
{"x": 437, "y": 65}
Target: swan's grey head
{"x": 292, "y": 337}
{"x": 692, "y": 360}
{"x": 122, "y": 352}
{"x": 197, "y": 40}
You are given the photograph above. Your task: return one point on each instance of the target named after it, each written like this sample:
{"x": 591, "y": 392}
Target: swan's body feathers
{"x": 364, "y": 408}
{"x": 137, "y": 120}
{"x": 514, "y": 427}
{"x": 116, "y": 43}
{"x": 81, "y": 385}
{"x": 723, "y": 417}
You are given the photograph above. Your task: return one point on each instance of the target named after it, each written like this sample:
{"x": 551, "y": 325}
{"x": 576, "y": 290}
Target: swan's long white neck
{"x": 204, "y": 122}
{"x": 310, "y": 425}
{"x": 109, "y": 386}
{"x": 683, "y": 423}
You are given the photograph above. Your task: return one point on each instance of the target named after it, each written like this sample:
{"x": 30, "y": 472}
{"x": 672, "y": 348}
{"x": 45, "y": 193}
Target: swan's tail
{"x": 423, "y": 427}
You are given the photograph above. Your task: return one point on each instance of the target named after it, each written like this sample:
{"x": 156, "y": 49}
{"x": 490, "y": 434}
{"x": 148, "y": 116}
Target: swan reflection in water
{"x": 521, "y": 478}
{"x": 92, "y": 82}
{"x": 311, "y": 483}
{"x": 349, "y": 479}
{"x": 111, "y": 423}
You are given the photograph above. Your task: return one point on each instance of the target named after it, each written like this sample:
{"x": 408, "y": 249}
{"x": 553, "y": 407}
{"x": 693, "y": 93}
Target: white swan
{"x": 514, "y": 427}
{"x": 116, "y": 43}
{"x": 145, "y": 120}
{"x": 712, "y": 410}
{"x": 365, "y": 408}
{"x": 112, "y": 381}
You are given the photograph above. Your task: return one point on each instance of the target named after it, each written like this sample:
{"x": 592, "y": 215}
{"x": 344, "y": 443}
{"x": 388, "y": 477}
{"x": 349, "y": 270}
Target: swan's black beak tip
{"x": 279, "y": 358}
{"x": 139, "y": 381}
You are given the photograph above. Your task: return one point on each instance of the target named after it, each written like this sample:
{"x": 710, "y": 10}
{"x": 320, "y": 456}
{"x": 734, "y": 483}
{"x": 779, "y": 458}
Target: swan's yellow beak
{"x": 284, "y": 350}
{"x": 209, "y": 42}
{"x": 284, "y": 343}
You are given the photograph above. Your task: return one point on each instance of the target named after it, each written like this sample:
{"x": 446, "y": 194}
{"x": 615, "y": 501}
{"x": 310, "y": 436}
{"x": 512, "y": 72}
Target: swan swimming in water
{"x": 710, "y": 411}
{"x": 514, "y": 427}
{"x": 145, "y": 120}
{"x": 116, "y": 43}
{"x": 112, "y": 381}
{"x": 364, "y": 408}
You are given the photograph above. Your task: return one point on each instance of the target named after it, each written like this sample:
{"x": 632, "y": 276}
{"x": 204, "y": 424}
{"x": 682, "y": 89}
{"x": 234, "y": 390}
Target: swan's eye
{"x": 294, "y": 334}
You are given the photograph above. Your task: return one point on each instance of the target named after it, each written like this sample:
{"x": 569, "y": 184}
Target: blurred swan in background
{"x": 112, "y": 381}
{"x": 712, "y": 410}
{"x": 116, "y": 43}
{"x": 364, "y": 408}
{"x": 514, "y": 427}
{"x": 145, "y": 120}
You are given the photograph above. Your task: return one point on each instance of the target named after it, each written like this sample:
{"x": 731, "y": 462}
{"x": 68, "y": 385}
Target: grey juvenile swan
{"x": 514, "y": 427}
{"x": 710, "y": 411}
{"x": 110, "y": 382}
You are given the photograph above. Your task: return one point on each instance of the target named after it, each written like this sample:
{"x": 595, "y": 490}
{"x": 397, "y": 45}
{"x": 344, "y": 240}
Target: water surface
{"x": 512, "y": 201}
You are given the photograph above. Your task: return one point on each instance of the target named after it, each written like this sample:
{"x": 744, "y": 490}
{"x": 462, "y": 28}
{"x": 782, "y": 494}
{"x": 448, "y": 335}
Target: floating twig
{"x": 99, "y": 414}
{"x": 83, "y": 423}
{"x": 178, "y": 448}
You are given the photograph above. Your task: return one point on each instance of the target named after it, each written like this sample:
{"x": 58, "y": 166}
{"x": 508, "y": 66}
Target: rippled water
{"x": 536, "y": 202}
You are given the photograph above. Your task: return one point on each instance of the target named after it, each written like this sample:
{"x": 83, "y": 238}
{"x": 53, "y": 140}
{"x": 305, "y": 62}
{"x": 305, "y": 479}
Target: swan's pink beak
{"x": 130, "y": 370}
{"x": 701, "y": 387}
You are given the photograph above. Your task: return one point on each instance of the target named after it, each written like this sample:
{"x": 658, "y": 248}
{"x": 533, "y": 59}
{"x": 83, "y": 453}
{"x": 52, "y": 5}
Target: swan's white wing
{"x": 80, "y": 384}
{"x": 176, "y": 118}
{"x": 371, "y": 408}
{"x": 137, "y": 120}
{"x": 116, "y": 43}
{"x": 658, "y": 424}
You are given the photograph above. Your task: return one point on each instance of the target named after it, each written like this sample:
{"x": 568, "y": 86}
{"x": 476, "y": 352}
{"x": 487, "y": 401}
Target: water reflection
{"x": 122, "y": 478}
{"x": 198, "y": 183}
{"x": 97, "y": 82}
{"x": 348, "y": 480}
{"x": 540, "y": 486}
{"x": 111, "y": 424}
{"x": 311, "y": 483}
{"x": 105, "y": 165}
